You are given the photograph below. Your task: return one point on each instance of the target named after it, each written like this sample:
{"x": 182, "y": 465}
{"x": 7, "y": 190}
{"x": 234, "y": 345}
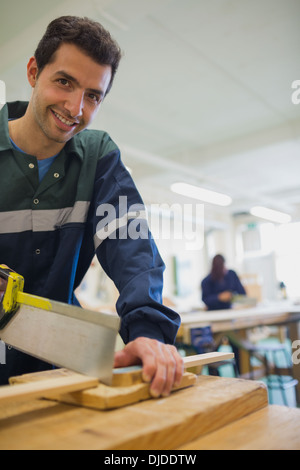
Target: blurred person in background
{"x": 220, "y": 286}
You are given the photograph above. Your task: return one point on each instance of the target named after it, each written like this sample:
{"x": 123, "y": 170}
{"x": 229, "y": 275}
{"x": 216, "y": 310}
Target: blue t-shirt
{"x": 43, "y": 165}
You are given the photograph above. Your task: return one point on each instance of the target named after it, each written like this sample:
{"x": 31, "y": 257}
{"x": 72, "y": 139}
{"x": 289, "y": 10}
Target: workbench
{"x": 215, "y": 412}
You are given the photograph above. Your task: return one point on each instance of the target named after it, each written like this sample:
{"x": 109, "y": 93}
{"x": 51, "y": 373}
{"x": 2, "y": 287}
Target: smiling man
{"x": 66, "y": 97}
{"x": 55, "y": 176}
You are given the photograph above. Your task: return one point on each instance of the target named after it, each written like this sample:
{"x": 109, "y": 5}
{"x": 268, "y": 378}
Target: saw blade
{"x": 63, "y": 335}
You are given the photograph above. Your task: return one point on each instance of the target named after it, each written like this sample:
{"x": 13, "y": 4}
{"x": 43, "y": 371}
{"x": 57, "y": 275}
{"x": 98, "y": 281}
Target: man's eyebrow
{"x": 67, "y": 76}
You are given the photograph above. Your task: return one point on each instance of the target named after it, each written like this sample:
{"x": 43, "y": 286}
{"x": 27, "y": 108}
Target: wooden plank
{"x": 271, "y": 428}
{"x": 51, "y": 387}
{"x": 128, "y": 386}
{"x": 104, "y": 397}
{"x": 207, "y": 358}
{"x": 128, "y": 389}
{"x": 164, "y": 423}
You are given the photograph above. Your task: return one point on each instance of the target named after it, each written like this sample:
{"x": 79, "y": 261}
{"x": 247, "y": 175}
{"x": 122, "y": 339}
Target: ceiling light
{"x": 270, "y": 214}
{"x": 201, "y": 194}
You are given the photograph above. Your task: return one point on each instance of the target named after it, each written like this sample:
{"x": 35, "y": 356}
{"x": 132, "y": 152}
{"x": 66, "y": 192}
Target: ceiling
{"x": 202, "y": 95}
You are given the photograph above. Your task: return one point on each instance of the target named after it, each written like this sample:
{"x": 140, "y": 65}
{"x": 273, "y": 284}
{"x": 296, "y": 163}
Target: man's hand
{"x": 162, "y": 364}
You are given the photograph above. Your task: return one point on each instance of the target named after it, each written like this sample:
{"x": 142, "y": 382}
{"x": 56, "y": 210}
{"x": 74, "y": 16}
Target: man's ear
{"x": 32, "y": 71}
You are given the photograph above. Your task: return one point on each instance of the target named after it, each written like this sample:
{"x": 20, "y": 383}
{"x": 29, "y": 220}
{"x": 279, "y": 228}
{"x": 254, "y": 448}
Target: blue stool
{"x": 269, "y": 356}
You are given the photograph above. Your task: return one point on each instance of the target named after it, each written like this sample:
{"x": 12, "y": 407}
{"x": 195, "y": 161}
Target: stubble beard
{"x": 44, "y": 121}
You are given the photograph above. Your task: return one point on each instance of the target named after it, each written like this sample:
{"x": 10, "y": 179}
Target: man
{"x": 57, "y": 179}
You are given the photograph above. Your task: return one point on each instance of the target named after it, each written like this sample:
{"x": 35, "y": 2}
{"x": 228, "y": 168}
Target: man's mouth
{"x": 64, "y": 120}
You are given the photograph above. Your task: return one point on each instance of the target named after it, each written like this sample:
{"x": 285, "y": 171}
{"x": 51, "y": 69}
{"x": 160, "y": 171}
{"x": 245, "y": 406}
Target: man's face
{"x": 67, "y": 93}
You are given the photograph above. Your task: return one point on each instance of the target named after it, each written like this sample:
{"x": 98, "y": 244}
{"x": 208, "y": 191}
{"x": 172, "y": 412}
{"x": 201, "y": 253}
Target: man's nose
{"x": 75, "y": 104}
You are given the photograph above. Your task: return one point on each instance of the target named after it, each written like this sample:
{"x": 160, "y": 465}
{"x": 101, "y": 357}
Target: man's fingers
{"x": 169, "y": 372}
{"x": 179, "y": 370}
{"x": 162, "y": 364}
{"x": 164, "y": 368}
{"x": 161, "y": 376}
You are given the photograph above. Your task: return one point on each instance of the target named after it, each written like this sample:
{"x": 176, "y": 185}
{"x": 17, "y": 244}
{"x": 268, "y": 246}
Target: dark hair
{"x": 87, "y": 34}
{"x": 218, "y": 268}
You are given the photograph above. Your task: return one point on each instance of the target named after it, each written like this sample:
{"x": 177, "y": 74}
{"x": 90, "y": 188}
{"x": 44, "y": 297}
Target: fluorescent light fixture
{"x": 270, "y": 214}
{"x": 201, "y": 194}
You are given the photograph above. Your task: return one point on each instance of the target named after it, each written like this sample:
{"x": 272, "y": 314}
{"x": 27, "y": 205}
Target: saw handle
{"x": 8, "y": 303}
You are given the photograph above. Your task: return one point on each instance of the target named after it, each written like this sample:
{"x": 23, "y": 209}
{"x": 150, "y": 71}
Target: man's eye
{"x": 94, "y": 97}
{"x": 63, "y": 81}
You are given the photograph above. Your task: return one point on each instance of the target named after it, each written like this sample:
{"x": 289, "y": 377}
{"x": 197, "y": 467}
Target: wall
{"x": 188, "y": 252}
{"x": 186, "y": 246}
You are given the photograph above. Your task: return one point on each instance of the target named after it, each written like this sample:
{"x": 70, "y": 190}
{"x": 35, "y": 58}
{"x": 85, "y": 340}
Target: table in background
{"x": 243, "y": 319}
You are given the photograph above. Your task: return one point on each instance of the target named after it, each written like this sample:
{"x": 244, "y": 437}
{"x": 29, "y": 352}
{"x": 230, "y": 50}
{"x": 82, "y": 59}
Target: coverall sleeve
{"x": 128, "y": 254}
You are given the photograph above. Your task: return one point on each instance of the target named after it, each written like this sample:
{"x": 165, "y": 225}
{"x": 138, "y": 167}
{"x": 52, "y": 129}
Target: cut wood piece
{"x": 127, "y": 376}
{"x": 51, "y": 387}
{"x": 128, "y": 386}
{"x": 102, "y": 397}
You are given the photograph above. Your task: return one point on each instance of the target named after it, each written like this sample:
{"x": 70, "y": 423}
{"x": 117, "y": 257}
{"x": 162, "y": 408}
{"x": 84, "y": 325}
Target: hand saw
{"x": 60, "y": 334}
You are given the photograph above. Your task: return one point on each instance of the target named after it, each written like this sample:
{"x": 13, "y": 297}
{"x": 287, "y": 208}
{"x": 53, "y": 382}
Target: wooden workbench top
{"x": 165, "y": 423}
{"x": 271, "y": 428}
